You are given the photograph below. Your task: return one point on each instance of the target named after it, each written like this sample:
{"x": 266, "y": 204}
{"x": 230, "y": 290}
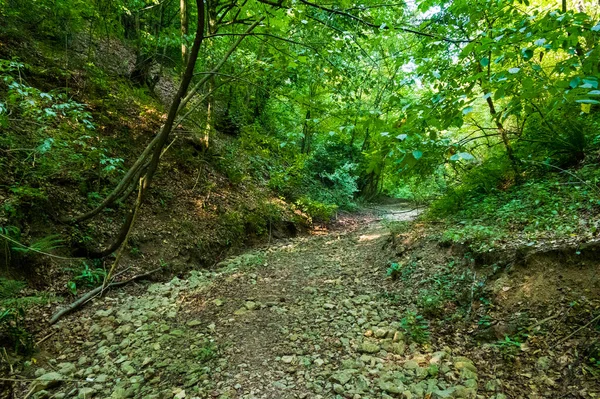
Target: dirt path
{"x": 305, "y": 318}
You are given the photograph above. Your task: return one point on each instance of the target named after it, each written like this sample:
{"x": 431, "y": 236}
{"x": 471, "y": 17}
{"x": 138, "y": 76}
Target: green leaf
{"x": 587, "y": 101}
{"x": 485, "y": 61}
{"x": 514, "y": 70}
{"x": 596, "y": 28}
{"x": 590, "y": 83}
{"x": 575, "y": 82}
{"x": 402, "y": 137}
{"x": 417, "y": 154}
{"x": 467, "y": 110}
{"x": 527, "y": 54}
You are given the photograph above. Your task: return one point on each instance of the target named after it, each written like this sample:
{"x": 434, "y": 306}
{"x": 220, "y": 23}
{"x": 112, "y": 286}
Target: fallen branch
{"x": 90, "y": 295}
{"x": 579, "y": 329}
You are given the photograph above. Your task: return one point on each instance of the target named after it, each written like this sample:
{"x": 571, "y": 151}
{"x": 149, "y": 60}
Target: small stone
{"x": 380, "y": 333}
{"x": 398, "y": 348}
{"x": 342, "y": 377}
{"x": 337, "y": 388}
{"x": 128, "y": 368}
{"x": 287, "y": 359}
{"x": 319, "y": 362}
{"x": 411, "y": 365}
{"x": 66, "y": 368}
{"x": 279, "y": 385}
{"x": 86, "y": 393}
{"x": 48, "y": 380}
{"x": 368, "y": 347}
{"x": 193, "y": 323}
{"x": 251, "y": 305}
{"x": 218, "y": 302}
{"x": 329, "y": 306}
{"x": 104, "y": 313}
{"x": 390, "y": 387}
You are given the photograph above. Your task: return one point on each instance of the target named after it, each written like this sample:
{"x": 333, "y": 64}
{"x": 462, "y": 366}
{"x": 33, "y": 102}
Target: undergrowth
{"x": 551, "y": 205}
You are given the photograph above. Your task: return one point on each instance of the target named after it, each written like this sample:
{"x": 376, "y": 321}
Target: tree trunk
{"x": 183, "y": 14}
{"x": 306, "y": 134}
{"x": 504, "y": 135}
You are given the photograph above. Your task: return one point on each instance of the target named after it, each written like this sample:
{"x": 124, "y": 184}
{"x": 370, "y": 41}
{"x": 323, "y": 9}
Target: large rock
{"x": 46, "y": 381}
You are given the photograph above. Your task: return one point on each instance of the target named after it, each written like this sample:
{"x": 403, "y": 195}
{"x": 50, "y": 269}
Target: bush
{"x": 317, "y": 210}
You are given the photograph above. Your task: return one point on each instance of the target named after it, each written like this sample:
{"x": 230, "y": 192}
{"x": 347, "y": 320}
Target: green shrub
{"x": 416, "y": 327}
{"x": 318, "y": 211}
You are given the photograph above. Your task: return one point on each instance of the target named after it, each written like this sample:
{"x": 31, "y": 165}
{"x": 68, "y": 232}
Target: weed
{"x": 394, "y": 270}
{"x": 135, "y": 252}
{"x": 401, "y": 271}
{"x": 431, "y": 302}
{"x": 85, "y": 276}
{"x": 416, "y": 327}
{"x": 509, "y": 347}
{"x": 207, "y": 352}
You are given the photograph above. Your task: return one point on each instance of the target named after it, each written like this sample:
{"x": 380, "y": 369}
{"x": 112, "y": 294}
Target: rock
{"x": 218, "y": 302}
{"x": 411, "y": 365}
{"x": 342, "y": 377}
{"x": 319, "y": 362}
{"x": 288, "y": 359}
{"x": 193, "y": 323}
{"x": 398, "y": 336}
{"x": 337, "y": 388}
{"x": 104, "y": 313}
{"x": 48, "y": 380}
{"x": 329, "y": 306}
{"x": 368, "y": 347}
{"x": 460, "y": 365}
{"x": 380, "y": 333}
{"x": 398, "y": 348}
{"x": 279, "y": 385}
{"x": 391, "y": 387}
{"x": 128, "y": 368}
{"x": 43, "y": 394}
{"x": 85, "y": 393}
{"x": 179, "y": 395}
{"x": 39, "y": 372}
{"x": 251, "y": 305}
{"x": 442, "y": 394}
{"x": 66, "y": 368}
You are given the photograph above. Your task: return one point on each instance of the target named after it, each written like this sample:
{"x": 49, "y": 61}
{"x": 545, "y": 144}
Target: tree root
{"x": 93, "y": 293}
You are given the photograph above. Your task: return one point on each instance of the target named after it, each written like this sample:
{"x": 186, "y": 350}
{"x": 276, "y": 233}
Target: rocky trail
{"x": 307, "y": 317}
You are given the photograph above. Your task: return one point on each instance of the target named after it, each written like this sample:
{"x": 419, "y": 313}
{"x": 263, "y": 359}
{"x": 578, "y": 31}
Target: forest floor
{"x": 314, "y": 317}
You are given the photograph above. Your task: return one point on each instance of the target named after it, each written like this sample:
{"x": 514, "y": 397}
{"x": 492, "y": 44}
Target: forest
{"x": 299, "y": 199}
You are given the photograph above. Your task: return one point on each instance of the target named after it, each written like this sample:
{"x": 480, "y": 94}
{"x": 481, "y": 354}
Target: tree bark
{"x": 184, "y": 16}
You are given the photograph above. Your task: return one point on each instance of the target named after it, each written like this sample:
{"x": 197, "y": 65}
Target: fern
{"x": 45, "y": 244}
{"x": 10, "y": 288}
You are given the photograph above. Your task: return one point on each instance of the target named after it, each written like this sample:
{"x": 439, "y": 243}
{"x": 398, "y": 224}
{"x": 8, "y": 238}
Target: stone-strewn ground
{"x": 313, "y": 317}
{"x": 303, "y": 319}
